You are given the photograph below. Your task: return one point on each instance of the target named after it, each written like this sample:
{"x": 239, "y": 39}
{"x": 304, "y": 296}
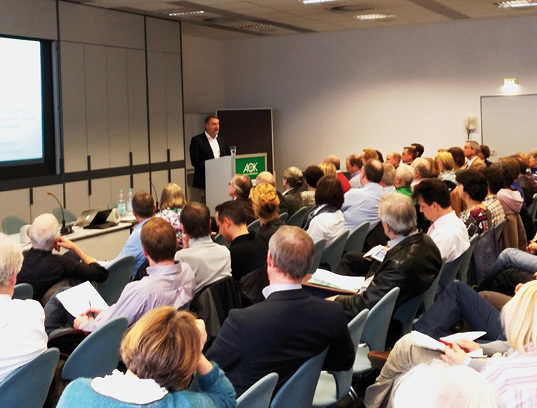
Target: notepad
{"x": 333, "y": 280}
{"x": 78, "y": 299}
{"x": 422, "y": 340}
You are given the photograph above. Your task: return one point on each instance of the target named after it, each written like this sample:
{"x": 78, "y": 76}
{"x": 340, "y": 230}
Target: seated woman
{"x": 473, "y": 189}
{"x": 326, "y": 221}
{"x": 172, "y": 202}
{"x": 161, "y": 351}
{"x": 510, "y": 198}
{"x": 445, "y": 163}
{"x": 265, "y": 202}
{"x": 312, "y": 175}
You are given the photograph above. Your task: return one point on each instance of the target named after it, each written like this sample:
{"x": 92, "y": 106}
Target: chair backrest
{"x": 98, "y": 354}
{"x": 283, "y": 216}
{"x": 356, "y": 239}
{"x": 254, "y": 225}
{"x": 356, "y": 327}
{"x": 498, "y": 228}
{"x": 23, "y": 291}
{"x": 12, "y": 224}
{"x": 533, "y": 208}
{"x": 69, "y": 216}
{"x": 298, "y": 218}
{"x": 406, "y": 312}
{"x": 119, "y": 274}
{"x": 298, "y": 391}
{"x": 319, "y": 249}
{"x": 378, "y": 321}
{"x": 220, "y": 240}
{"x": 447, "y": 275}
{"x": 466, "y": 258}
{"x": 28, "y": 385}
{"x": 332, "y": 254}
{"x": 259, "y": 394}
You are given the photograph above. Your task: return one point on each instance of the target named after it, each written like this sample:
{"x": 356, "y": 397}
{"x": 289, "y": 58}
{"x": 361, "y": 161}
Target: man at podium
{"x": 204, "y": 147}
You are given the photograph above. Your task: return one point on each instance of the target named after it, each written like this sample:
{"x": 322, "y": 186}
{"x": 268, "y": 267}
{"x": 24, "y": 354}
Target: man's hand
{"x": 532, "y": 247}
{"x": 88, "y": 315}
{"x": 66, "y": 243}
{"x": 454, "y": 355}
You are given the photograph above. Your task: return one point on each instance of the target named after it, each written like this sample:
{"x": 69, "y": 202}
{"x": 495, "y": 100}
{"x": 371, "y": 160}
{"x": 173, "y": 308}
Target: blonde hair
{"x": 370, "y": 154}
{"x": 265, "y": 201}
{"x": 519, "y": 317}
{"x": 172, "y": 197}
{"x": 446, "y": 159}
{"x": 163, "y": 345}
{"x": 328, "y": 169}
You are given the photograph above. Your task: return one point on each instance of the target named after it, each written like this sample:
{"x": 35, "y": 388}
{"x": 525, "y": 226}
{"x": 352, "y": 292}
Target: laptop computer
{"x": 99, "y": 220}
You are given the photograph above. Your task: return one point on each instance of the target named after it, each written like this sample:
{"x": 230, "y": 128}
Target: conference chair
{"x": 98, "y": 354}
{"x": 333, "y": 386}
{"x": 447, "y": 275}
{"x": 298, "y": 391}
{"x": 283, "y": 216}
{"x": 406, "y": 312}
{"x": 466, "y": 258}
{"x": 28, "y": 386}
{"x": 375, "y": 331}
{"x": 69, "y": 216}
{"x": 259, "y": 394}
{"x": 12, "y": 224}
{"x": 532, "y": 209}
{"x": 298, "y": 218}
{"x": 498, "y": 228}
{"x": 220, "y": 240}
{"x": 23, "y": 291}
{"x": 254, "y": 226}
{"x": 332, "y": 254}
{"x": 315, "y": 262}
{"x": 119, "y": 274}
{"x": 356, "y": 239}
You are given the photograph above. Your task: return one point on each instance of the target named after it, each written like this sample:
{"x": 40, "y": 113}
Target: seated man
{"x": 288, "y": 328}
{"x": 143, "y": 208}
{"x": 42, "y": 269}
{"x": 411, "y": 263}
{"x": 247, "y": 253}
{"x": 345, "y": 184}
{"x": 22, "y": 334}
{"x": 516, "y": 259}
{"x": 447, "y": 230}
{"x": 167, "y": 283}
{"x": 209, "y": 261}
{"x": 239, "y": 190}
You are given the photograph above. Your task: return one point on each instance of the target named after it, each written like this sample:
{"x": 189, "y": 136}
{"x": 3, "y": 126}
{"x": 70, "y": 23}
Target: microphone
{"x": 64, "y": 230}
{"x": 156, "y": 195}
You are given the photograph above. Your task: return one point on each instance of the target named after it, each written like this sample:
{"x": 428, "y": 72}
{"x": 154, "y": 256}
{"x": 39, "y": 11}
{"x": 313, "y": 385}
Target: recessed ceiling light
{"x": 367, "y": 17}
{"x": 516, "y": 3}
{"x": 316, "y": 1}
{"x": 256, "y": 26}
{"x": 187, "y": 13}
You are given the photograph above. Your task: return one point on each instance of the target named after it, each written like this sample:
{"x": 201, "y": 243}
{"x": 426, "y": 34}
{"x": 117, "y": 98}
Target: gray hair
{"x": 291, "y": 250}
{"x": 45, "y": 232}
{"x": 265, "y": 177}
{"x": 474, "y": 145}
{"x": 533, "y": 153}
{"x": 388, "y": 177}
{"x": 399, "y": 212}
{"x": 293, "y": 176}
{"x": 10, "y": 259}
{"x": 422, "y": 166}
{"x": 406, "y": 173}
{"x": 447, "y": 387}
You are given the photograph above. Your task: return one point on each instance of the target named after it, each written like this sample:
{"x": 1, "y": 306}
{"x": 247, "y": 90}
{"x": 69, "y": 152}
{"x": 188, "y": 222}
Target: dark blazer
{"x": 293, "y": 199}
{"x": 200, "y": 150}
{"x": 411, "y": 265}
{"x": 278, "y": 335}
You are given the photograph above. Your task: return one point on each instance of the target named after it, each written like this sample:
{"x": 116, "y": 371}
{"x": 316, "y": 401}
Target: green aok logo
{"x": 250, "y": 168}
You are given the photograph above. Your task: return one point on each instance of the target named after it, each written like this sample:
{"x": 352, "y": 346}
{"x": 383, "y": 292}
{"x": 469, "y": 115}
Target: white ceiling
{"x": 227, "y": 19}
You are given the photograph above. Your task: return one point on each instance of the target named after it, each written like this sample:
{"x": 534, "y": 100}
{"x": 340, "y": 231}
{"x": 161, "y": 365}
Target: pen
{"x": 90, "y": 314}
{"x": 446, "y": 343}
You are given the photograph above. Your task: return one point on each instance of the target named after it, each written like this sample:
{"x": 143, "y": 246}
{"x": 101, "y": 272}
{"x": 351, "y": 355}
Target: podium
{"x": 220, "y": 171}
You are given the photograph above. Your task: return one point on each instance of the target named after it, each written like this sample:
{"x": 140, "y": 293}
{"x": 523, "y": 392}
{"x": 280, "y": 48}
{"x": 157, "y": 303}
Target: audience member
{"x": 340, "y": 176}
{"x": 532, "y": 163}
{"x": 419, "y": 149}
{"x": 495, "y": 183}
{"x": 22, "y": 334}
{"x": 484, "y": 155}
{"x": 354, "y": 167}
{"x": 267, "y": 177}
{"x": 369, "y": 154}
{"x": 328, "y": 169}
{"x": 458, "y": 158}
{"x": 471, "y": 150}
{"x": 409, "y": 155}
{"x": 292, "y": 181}
{"x": 44, "y": 270}
{"x": 289, "y": 327}
{"x": 312, "y": 175}
{"x": 265, "y": 202}
{"x": 162, "y": 352}
{"x": 388, "y": 178}
{"x": 172, "y": 201}
{"x": 473, "y": 189}
{"x": 510, "y": 198}
{"x": 404, "y": 176}
{"x": 447, "y": 231}
{"x": 209, "y": 261}
{"x": 247, "y": 253}
{"x": 445, "y": 163}
{"x": 239, "y": 191}
{"x": 166, "y": 283}
{"x": 361, "y": 204}
{"x": 394, "y": 159}
{"x": 423, "y": 170}
{"x": 326, "y": 221}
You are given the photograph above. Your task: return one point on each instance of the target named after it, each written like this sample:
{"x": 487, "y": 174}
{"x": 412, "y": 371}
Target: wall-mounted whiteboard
{"x": 509, "y": 123}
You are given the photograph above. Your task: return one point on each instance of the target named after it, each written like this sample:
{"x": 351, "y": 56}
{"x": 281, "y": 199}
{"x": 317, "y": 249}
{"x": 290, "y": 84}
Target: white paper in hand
{"x": 80, "y": 298}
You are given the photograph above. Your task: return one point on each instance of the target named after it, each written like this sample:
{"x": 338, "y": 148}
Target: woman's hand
{"x": 454, "y": 355}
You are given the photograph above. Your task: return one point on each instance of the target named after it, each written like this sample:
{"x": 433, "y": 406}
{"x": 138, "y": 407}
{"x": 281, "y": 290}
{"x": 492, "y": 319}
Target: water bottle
{"x": 129, "y": 202}
{"x": 121, "y": 206}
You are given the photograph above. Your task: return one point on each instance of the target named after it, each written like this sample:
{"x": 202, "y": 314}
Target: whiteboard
{"x": 509, "y": 123}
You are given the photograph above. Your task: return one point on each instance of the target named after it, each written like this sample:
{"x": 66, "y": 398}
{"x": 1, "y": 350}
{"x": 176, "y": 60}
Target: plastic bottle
{"x": 121, "y": 206}
{"x": 129, "y": 202}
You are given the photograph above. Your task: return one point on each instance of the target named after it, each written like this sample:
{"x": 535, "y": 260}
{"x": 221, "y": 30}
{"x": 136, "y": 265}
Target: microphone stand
{"x": 65, "y": 230}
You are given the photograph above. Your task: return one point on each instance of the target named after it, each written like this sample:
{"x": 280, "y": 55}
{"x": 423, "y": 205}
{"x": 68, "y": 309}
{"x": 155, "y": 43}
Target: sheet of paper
{"x": 80, "y": 298}
{"x": 471, "y": 335}
{"x": 422, "y": 340}
{"x": 377, "y": 252}
{"x": 327, "y": 278}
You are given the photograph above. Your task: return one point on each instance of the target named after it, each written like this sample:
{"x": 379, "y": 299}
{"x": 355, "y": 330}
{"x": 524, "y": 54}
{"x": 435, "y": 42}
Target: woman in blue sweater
{"x": 161, "y": 351}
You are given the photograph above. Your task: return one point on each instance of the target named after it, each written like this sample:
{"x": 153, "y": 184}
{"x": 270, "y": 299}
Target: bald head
{"x": 45, "y": 232}
{"x": 332, "y": 159}
{"x": 265, "y": 177}
{"x": 422, "y": 167}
